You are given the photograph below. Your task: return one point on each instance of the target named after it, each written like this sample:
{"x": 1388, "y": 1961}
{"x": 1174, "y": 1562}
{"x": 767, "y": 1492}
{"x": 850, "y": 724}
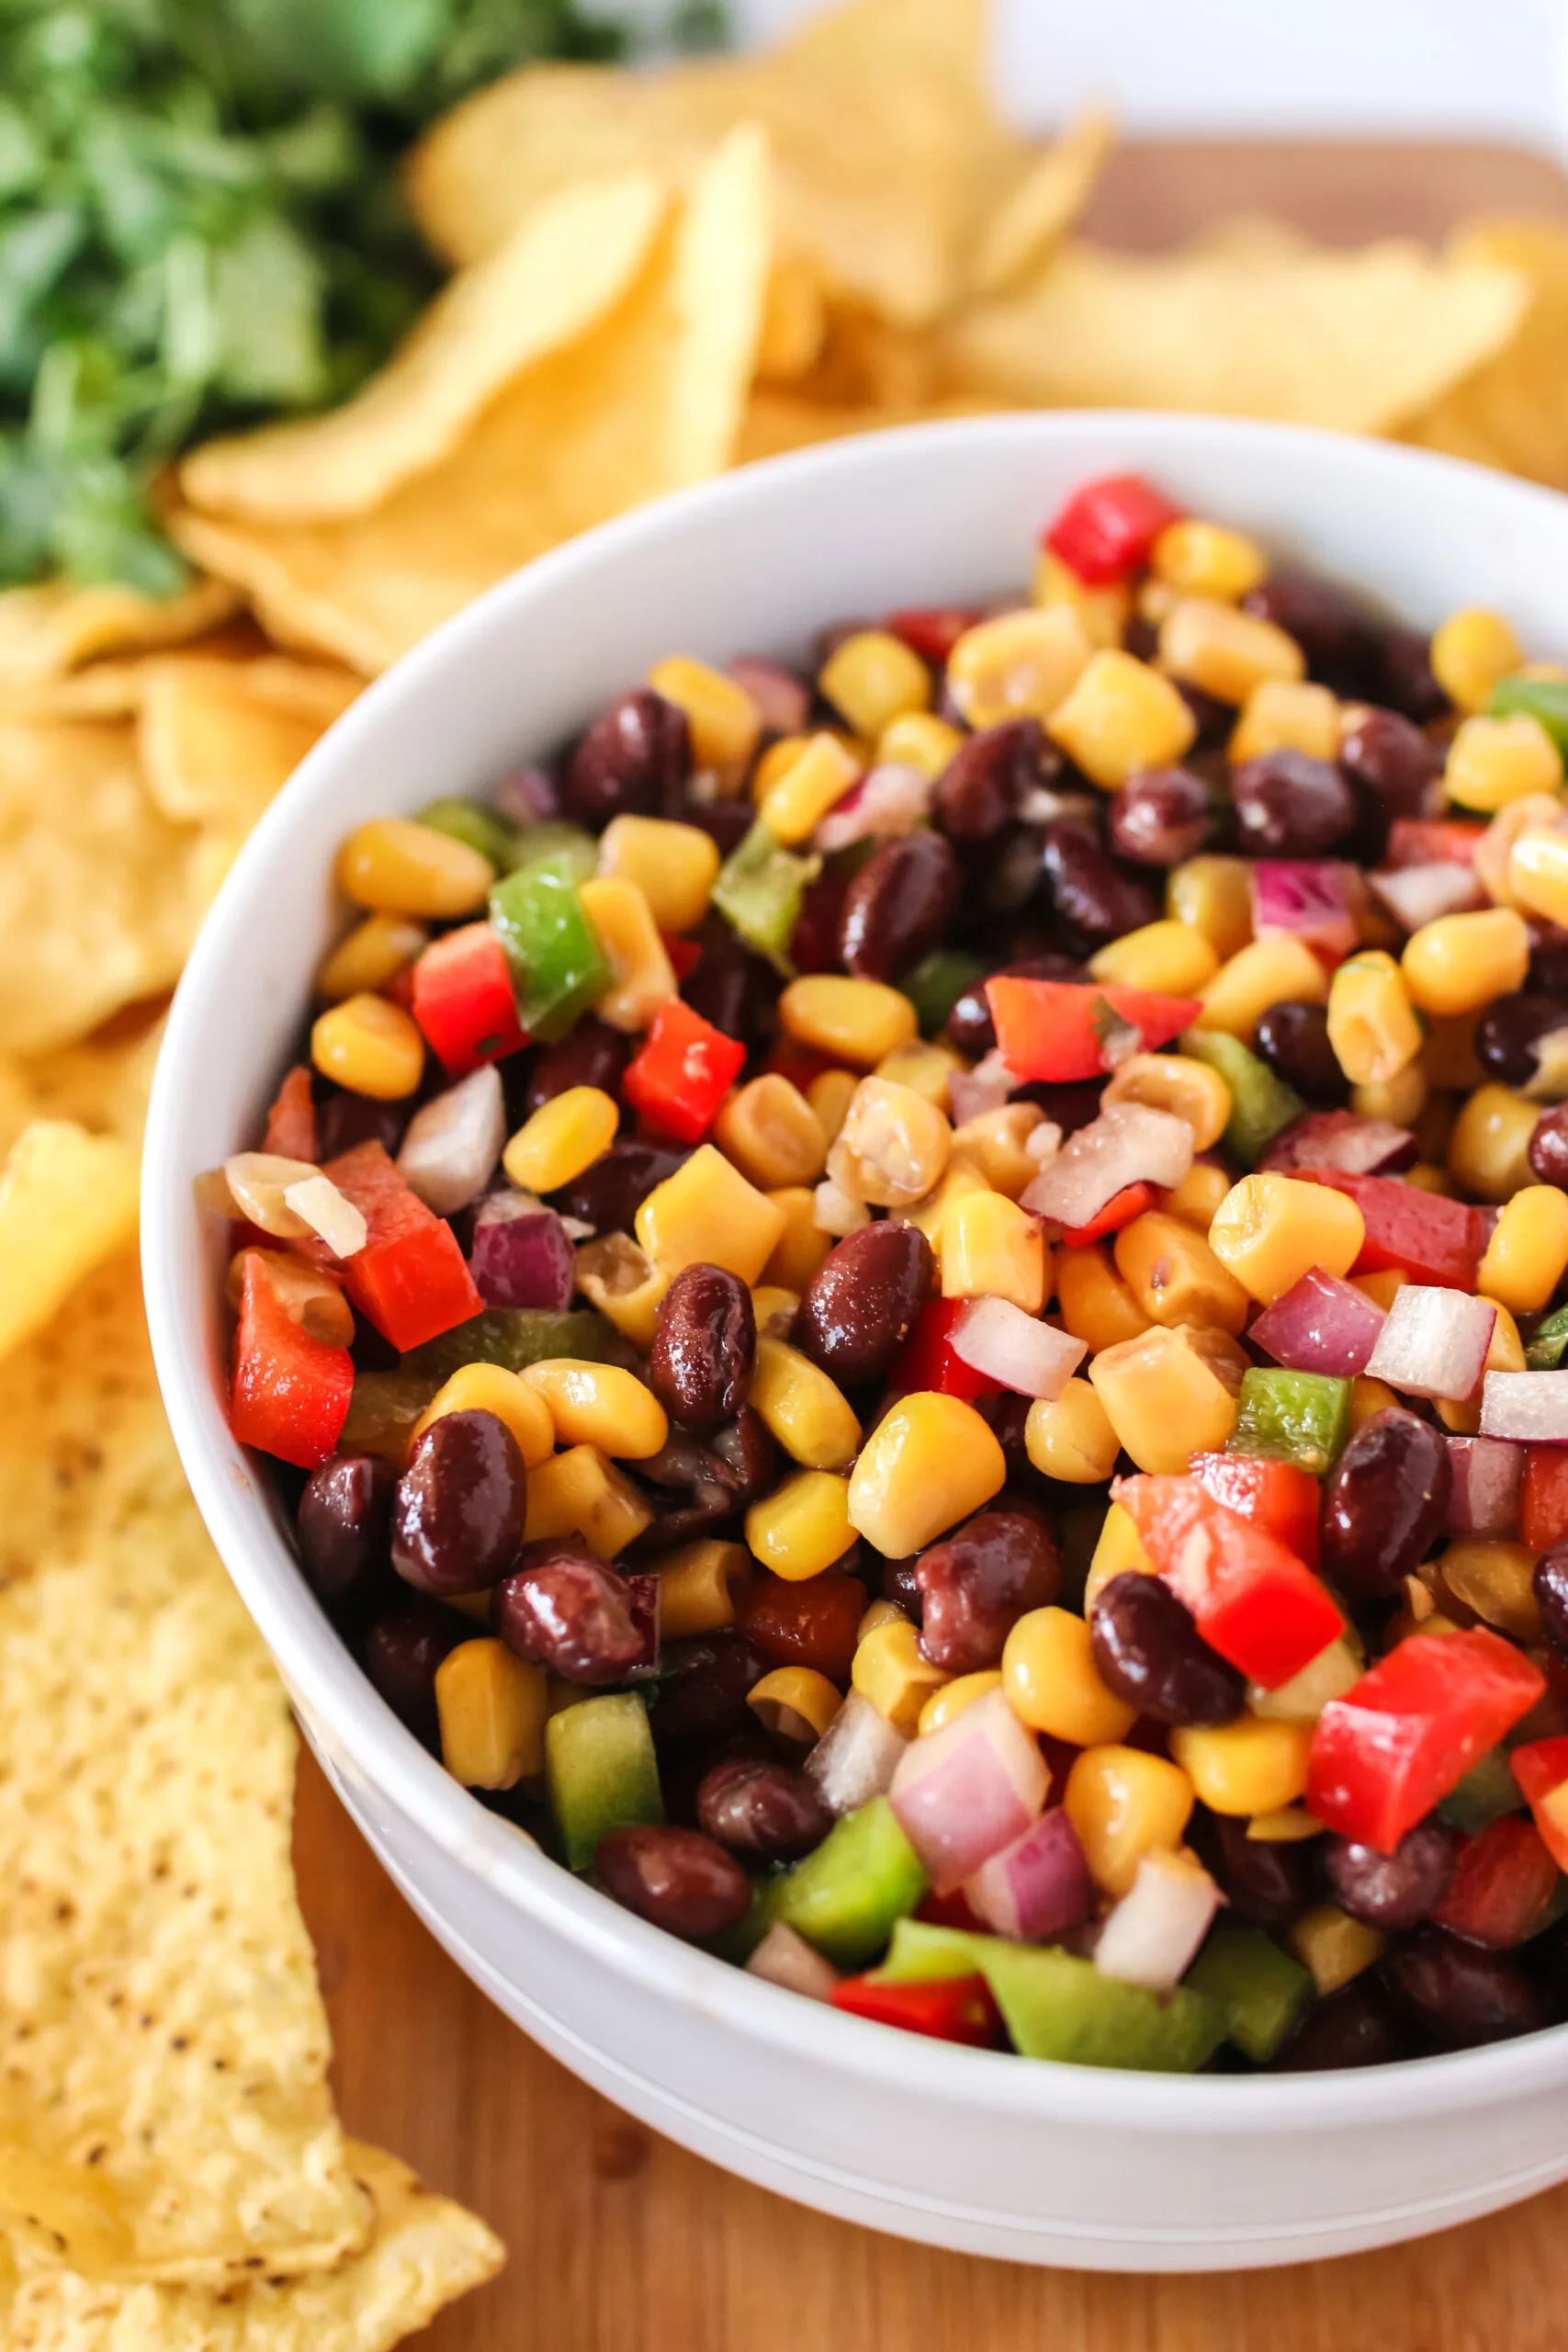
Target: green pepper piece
{"x": 513, "y": 1337}
{"x": 1543, "y": 1349}
{"x": 553, "y": 837}
{"x": 1487, "y": 1792}
{"x": 1545, "y": 700}
{"x": 1260, "y": 1988}
{"x": 1262, "y": 1105}
{"x": 383, "y": 1409}
{"x": 759, "y": 891}
{"x": 558, "y": 966}
{"x": 1300, "y": 1417}
{"x": 601, "y": 1771}
{"x": 471, "y": 822}
{"x": 934, "y": 987}
{"x": 846, "y": 1896}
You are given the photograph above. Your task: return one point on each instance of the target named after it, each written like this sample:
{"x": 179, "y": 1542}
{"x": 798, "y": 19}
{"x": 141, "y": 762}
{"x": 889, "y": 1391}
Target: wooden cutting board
{"x": 621, "y": 2242}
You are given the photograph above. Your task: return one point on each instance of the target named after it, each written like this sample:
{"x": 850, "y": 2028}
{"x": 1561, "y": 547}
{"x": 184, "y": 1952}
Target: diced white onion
{"x": 327, "y": 1213}
{"x": 1530, "y": 1406}
{"x": 1434, "y": 1342}
{"x": 1032, "y": 1358}
{"x": 856, "y": 1758}
{"x": 453, "y": 1146}
{"x": 985, "y": 1088}
{"x": 892, "y": 799}
{"x": 1152, "y": 1937}
{"x": 835, "y": 1211}
{"x": 783, "y": 1957}
{"x": 1128, "y": 1144}
{"x": 258, "y": 1182}
{"x": 1415, "y": 895}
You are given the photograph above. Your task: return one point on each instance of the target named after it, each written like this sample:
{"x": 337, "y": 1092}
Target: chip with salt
{"x": 1511, "y": 411}
{"x": 67, "y": 1203}
{"x": 52, "y": 628}
{"x": 651, "y": 399}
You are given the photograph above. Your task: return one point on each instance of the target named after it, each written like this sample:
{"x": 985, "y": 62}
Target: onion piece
{"x": 1341, "y": 1139}
{"x": 1308, "y": 898}
{"x": 1038, "y": 1886}
{"x": 1152, "y": 1937}
{"x": 1321, "y": 1324}
{"x": 856, "y": 1757}
{"x": 783, "y": 699}
{"x": 329, "y": 1214}
{"x": 887, "y": 800}
{"x": 1434, "y": 1342}
{"x": 1484, "y": 1495}
{"x": 985, "y": 1088}
{"x": 1128, "y": 1144}
{"x": 783, "y": 1957}
{"x": 1530, "y": 1406}
{"x": 521, "y": 1255}
{"x": 453, "y": 1147}
{"x": 963, "y": 1792}
{"x": 1017, "y": 1350}
{"x": 528, "y": 796}
{"x": 1417, "y": 894}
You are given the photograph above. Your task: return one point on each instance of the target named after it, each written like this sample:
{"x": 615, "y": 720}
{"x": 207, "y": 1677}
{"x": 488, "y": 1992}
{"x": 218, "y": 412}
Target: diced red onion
{"x": 1434, "y": 1342}
{"x": 528, "y": 796}
{"x": 1152, "y": 1937}
{"x": 1484, "y": 1495}
{"x": 963, "y": 1792}
{"x": 984, "y": 1088}
{"x": 1530, "y": 1406}
{"x": 521, "y": 1259}
{"x": 453, "y": 1146}
{"x": 1305, "y": 897}
{"x": 1341, "y": 1139}
{"x": 783, "y": 699}
{"x": 1128, "y": 1144}
{"x": 1320, "y": 1324}
{"x": 783, "y": 1957}
{"x": 888, "y": 799}
{"x": 1036, "y": 1887}
{"x": 856, "y": 1757}
{"x": 1015, "y": 1350}
{"x": 1419, "y": 893}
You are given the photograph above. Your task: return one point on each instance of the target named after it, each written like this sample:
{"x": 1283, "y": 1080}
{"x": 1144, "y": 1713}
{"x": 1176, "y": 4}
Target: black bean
{"x": 677, "y": 1878}
{"x": 728, "y": 823}
{"x": 1069, "y": 1106}
{"x": 985, "y": 784}
{"x": 1289, "y": 805}
{"x": 1267, "y": 1885}
{"x": 970, "y": 1029}
{"x": 608, "y": 1194}
{"x": 1548, "y": 1152}
{"x": 1292, "y": 1039}
{"x": 1548, "y": 957}
{"x": 1330, "y": 630}
{"x": 1404, "y": 678}
{"x": 1549, "y": 1582}
{"x": 343, "y": 1121}
{"x": 1384, "y": 1504}
{"x": 754, "y": 1807}
{"x": 403, "y": 1649}
{"x": 345, "y": 1525}
{"x": 1356, "y": 2026}
{"x": 565, "y": 1608}
{"x": 1093, "y": 903}
{"x": 1161, "y": 817}
{"x": 899, "y": 1585}
{"x": 1397, "y": 769}
{"x": 704, "y": 1346}
{"x": 590, "y": 1053}
{"x": 1148, "y": 1650}
{"x": 978, "y": 1582}
{"x": 635, "y": 757}
{"x": 814, "y": 943}
{"x": 733, "y": 990}
{"x": 702, "y": 1696}
{"x": 458, "y": 1514}
{"x": 1459, "y": 1993}
{"x": 860, "y": 1304}
{"x": 1397, "y": 1890}
{"x": 898, "y": 906}
{"x": 1512, "y": 1031}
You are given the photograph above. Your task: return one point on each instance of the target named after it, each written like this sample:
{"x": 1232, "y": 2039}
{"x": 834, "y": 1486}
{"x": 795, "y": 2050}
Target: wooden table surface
{"x": 621, "y": 2242}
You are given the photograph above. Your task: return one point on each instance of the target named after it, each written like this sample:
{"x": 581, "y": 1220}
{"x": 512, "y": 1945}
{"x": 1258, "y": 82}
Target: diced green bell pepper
{"x": 1543, "y": 1349}
{"x": 847, "y": 1896}
{"x": 558, "y": 966}
{"x": 1300, "y": 1417}
{"x": 759, "y": 891}
{"x": 934, "y": 987}
{"x": 553, "y": 837}
{"x": 471, "y": 822}
{"x": 1487, "y": 1792}
{"x": 514, "y": 1337}
{"x": 1260, "y": 1988}
{"x": 601, "y": 1771}
{"x": 1262, "y": 1105}
{"x": 1545, "y": 700}
{"x": 383, "y": 1409}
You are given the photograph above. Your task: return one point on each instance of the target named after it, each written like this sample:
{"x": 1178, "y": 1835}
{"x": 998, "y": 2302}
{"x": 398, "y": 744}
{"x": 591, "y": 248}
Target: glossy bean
{"x": 701, "y": 1696}
{"x": 458, "y": 1513}
{"x": 1093, "y": 903}
{"x": 1548, "y": 957}
{"x": 861, "y": 1305}
{"x": 1148, "y": 1650}
{"x": 1511, "y": 1029}
{"x": 590, "y": 1053}
{"x": 1266, "y": 1885}
{"x": 1397, "y": 1890}
{"x": 899, "y": 1585}
{"x": 1290, "y": 804}
{"x": 1548, "y": 1152}
{"x": 752, "y": 1806}
{"x": 1459, "y": 1993}
{"x": 611, "y": 1189}
{"x": 677, "y": 1878}
{"x": 402, "y": 1650}
{"x": 978, "y": 1582}
{"x": 1292, "y": 1039}
{"x": 898, "y": 906}
{"x": 1356, "y": 2026}
{"x": 563, "y": 1608}
{"x": 733, "y": 990}
{"x": 345, "y": 1526}
{"x": 813, "y": 1624}
{"x": 1161, "y": 817}
{"x": 1396, "y": 768}
{"x": 726, "y": 822}
{"x": 985, "y": 784}
{"x": 704, "y": 1347}
{"x": 342, "y": 1121}
{"x": 1384, "y": 1504}
{"x": 1330, "y": 630}
{"x": 1549, "y": 1582}
{"x": 1404, "y": 678}
{"x": 635, "y": 757}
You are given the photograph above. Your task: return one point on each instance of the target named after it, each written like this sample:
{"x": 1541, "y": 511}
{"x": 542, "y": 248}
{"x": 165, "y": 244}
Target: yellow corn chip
{"x": 778, "y": 421}
{"x": 67, "y": 1203}
{"x": 104, "y": 1082}
{"x": 1032, "y": 221}
{"x": 212, "y": 752}
{"x": 648, "y": 400}
{"x": 1360, "y": 341}
{"x": 422, "y": 2253}
{"x": 1513, "y": 410}
{"x": 563, "y": 266}
{"x": 47, "y": 631}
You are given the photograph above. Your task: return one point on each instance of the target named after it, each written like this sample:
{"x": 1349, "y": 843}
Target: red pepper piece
{"x": 1540, "y": 1768}
{"x": 932, "y": 630}
{"x": 951, "y": 2008}
{"x": 1386, "y": 1753}
{"x": 1501, "y": 1884}
{"x": 684, "y": 955}
{"x": 1065, "y": 1030}
{"x": 1429, "y": 1237}
{"x": 684, "y": 1070}
{"x": 1118, "y": 1210}
{"x": 462, "y": 998}
{"x": 815, "y": 1623}
{"x": 1106, "y": 527}
{"x": 1432, "y": 841}
{"x": 291, "y": 1122}
{"x": 290, "y": 1393}
{"x": 950, "y": 1910}
{"x": 1543, "y": 1498}
{"x": 1254, "y": 1601}
{"x": 1280, "y": 1496}
{"x": 929, "y": 1360}
{"x": 411, "y": 1278}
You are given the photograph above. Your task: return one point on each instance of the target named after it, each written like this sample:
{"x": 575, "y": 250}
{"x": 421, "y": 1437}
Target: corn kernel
{"x": 1493, "y": 763}
{"x": 1434, "y": 1123}
{"x": 772, "y": 1134}
{"x": 1369, "y": 1396}
{"x": 893, "y": 1672}
{"x": 1214, "y": 895}
{"x": 1196, "y": 1200}
{"x": 1430, "y": 1180}
{"x": 490, "y": 1388}
{"x": 829, "y": 1093}
{"x": 1224, "y": 652}
{"x": 581, "y": 1493}
{"x": 698, "y": 1587}
{"x": 1199, "y": 559}
{"x": 564, "y": 1136}
{"x": 1125, "y": 1804}
{"x": 1118, "y": 1553}
{"x": 930, "y": 1462}
{"x": 853, "y": 1020}
{"x": 1164, "y": 955}
{"x": 927, "y": 1069}
{"x": 1537, "y": 812}
{"x": 803, "y": 1526}
{"x": 1332, "y": 1946}
{"x": 706, "y": 1214}
{"x": 1068, "y": 1437}
{"x": 1527, "y": 1254}
{"x": 1382, "y": 1287}
{"x": 1400, "y": 1098}
{"x": 873, "y": 678}
{"x": 1286, "y": 715}
{"x": 723, "y": 721}
{"x": 1245, "y": 1767}
{"x": 1489, "y": 1149}
{"x": 1169, "y": 1395}
{"x": 396, "y": 867}
{"x": 1372, "y": 1022}
{"x": 1096, "y": 1305}
{"x": 991, "y": 1248}
{"x": 802, "y": 1246}
{"x": 806, "y": 1410}
{"x": 945, "y": 1705}
{"x": 930, "y": 1212}
{"x": 369, "y": 1047}
{"x": 1189, "y": 1089}
{"x": 620, "y": 1279}
{"x": 893, "y": 1146}
{"x": 774, "y": 1307}
{"x": 776, "y": 761}
{"x": 1472, "y": 651}
{"x": 1271, "y": 1230}
{"x": 880, "y": 1612}
{"x": 918, "y": 739}
{"x": 1121, "y": 717}
{"x": 491, "y": 1708}
{"x": 1104, "y": 612}
{"x": 794, "y": 1703}
{"x": 641, "y": 975}
{"x": 1052, "y": 1685}
{"x": 1176, "y": 1277}
{"x": 1278, "y": 970}
{"x": 1331, "y": 1674}
{"x": 599, "y": 1404}
{"x": 375, "y": 952}
{"x": 1538, "y": 874}
{"x": 1019, "y": 665}
{"x": 801, "y": 796}
{"x": 995, "y": 1141}
{"x": 674, "y": 866}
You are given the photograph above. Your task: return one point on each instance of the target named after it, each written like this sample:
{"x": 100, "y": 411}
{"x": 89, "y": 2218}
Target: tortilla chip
{"x": 795, "y": 322}
{"x": 778, "y": 421}
{"x": 650, "y": 400}
{"x": 48, "y": 630}
{"x": 212, "y": 750}
{"x": 567, "y": 263}
{"x": 67, "y": 1203}
{"x": 1360, "y": 341}
{"x": 422, "y": 2253}
{"x": 1032, "y": 221}
{"x": 1513, "y": 410}
{"x": 102, "y": 1083}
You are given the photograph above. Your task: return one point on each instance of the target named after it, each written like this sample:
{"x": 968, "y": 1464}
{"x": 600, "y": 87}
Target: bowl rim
{"x": 333, "y": 1688}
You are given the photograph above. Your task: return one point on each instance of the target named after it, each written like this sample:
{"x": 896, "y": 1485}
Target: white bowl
{"x": 993, "y": 2154}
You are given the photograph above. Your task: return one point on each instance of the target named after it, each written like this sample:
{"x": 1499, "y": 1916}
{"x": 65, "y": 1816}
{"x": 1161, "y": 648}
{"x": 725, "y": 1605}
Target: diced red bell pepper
{"x": 950, "y": 2008}
{"x": 932, "y": 630}
{"x": 1423, "y": 1234}
{"x": 411, "y": 1278}
{"x": 1387, "y": 1752}
{"x": 929, "y": 1360}
{"x": 1540, "y": 1768}
{"x": 684, "y": 1070}
{"x": 463, "y": 998}
{"x": 1118, "y": 1210}
{"x": 1543, "y": 1498}
{"x": 1065, "y": 1030}
{"x": 1106, "y": 527}
{"x": 1432, "y": 841}
{"x": 1501, "y": 1884}
{"x": 948, "y": 1910}
{"x": 291, "y": 1122}
{"x": 684, "y": 955}
{"x": 1253, "y": 1600}
{"x": 290, "y": 1393}
{"x": 1280, "y": 1496}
